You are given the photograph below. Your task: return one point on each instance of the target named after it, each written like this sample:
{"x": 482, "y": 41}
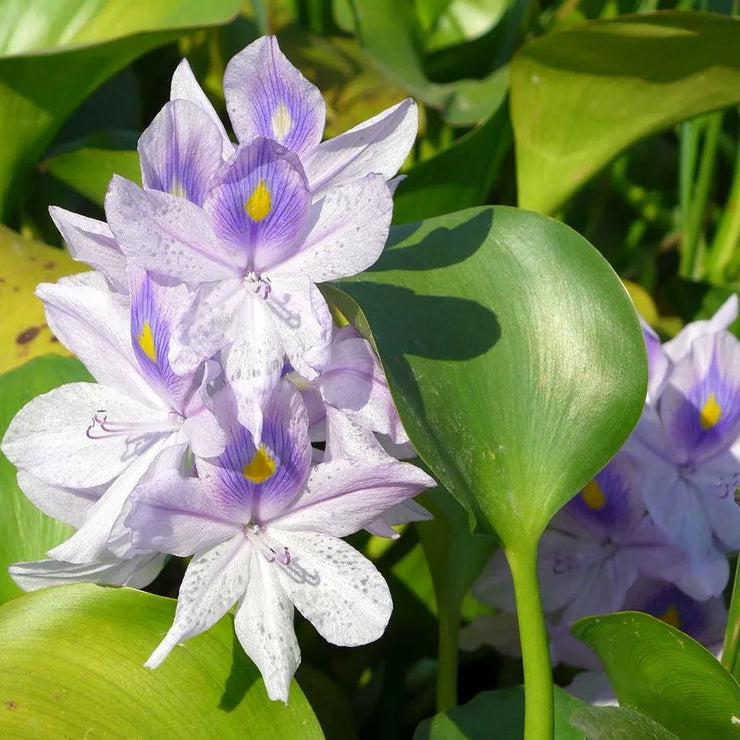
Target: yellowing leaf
{"x": 23, "y": 264}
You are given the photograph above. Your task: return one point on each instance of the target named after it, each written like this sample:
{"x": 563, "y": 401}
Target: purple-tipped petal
{"x": 185, "y": 87}
{"x": 262, "y": 479}
{"x": 155, "y": 310}
{"x": 703, "y": 620}
{"x": 380, "y": 144}
{"x": 700, "y": 403}
{"x": 267, "y": 96}
{"x": 180, "y": 151}
{"x": 350, "y": 226}
{"x": 259, "y": 203}
{"x": 92, "y": 242}
{"x": 167, "y": 235}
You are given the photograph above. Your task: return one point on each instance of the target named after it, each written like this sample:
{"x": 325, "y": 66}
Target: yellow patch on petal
{"x": 259, "y": 203}
{"x": 593, "y": 496}
{"x": 176, "y": 188}
{"x": 146, "y": 342}
{"x": 260, "y": 467}
{"x": 711, "y": 413}
{"x": 670, "y": 616}
{"x": 281, "y": 122}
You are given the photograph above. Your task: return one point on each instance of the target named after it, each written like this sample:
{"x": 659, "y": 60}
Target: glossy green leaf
{"x": 497, "y": 714}
{"x": 518, "y": 366}
{"x": 580, "y": 96}
{"x": 665, "y": 674}
{"x": 88, "y": 166}
{"x": 386, "y": 29}
{"x": 53, "y": 55}
{"x": 731, "y": 643}
{"x": 618, "y": 723}
{"x": 73, "y": 667}
{"x": 25, "y": 532}
{"x": 458, "y": 177}
{"x": 452, "y": 22}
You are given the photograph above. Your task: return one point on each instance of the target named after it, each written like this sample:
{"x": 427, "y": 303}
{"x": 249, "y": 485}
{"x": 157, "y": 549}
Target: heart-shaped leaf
{"x": 580, "y": 96}
{"x": 26, "y": 533}
{"x": 65, "y": 51}
{"x": 514, "y": 355}
{"x": 73, "y": 667}
{"x": 665, "y": 674}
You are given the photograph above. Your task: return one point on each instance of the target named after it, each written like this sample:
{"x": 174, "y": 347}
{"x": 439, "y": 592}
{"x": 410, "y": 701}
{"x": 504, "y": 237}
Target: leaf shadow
{"x": 242, "y": 676}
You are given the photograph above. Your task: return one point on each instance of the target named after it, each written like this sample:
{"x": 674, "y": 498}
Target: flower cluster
{"x": 653, "y": 530}
{"x": 231, "y": 420}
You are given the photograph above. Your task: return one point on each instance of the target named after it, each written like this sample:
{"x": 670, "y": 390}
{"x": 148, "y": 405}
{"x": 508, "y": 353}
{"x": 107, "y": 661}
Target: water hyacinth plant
{"x": 338, "y": 441}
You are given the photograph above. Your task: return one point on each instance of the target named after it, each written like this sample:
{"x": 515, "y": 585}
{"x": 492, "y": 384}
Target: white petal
{"x": 96, "y": 325}
{"x": 207, "y": 325}
{"x": 92, "y": 242}
{"x": 166, "y": 234}
{"x": 342, "y": 497}
{"x": 207, "y": 438}
{"x": 380, "y": 144}
{"x": 335, "y": 587}
{"x": 214, "y": 581}
{"x": 136, "y": 572}
{"x": 91, "y": 539}
{"x": 69, "y": 505}
{"x": 185, "y": 87}
{"x": 264, "y": 626}
{"x": 349, "y": 231}
{"x": 48, "y": 435}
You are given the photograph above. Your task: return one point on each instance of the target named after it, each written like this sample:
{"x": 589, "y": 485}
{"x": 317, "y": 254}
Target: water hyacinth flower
{"x": 83, "y": 435}
{"x": 688, "y": 440}
{"x": 263, "y": 528}
{"x": 253, "y": 255}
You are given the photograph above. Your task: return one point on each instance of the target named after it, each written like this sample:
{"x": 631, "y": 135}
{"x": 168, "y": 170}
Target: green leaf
{"x": 88, "y": 166}
{"x": 386, "y": 29}
{"x": 25, "y": 532}
{"x": 665, "y": 674}
{"x": 618, "y": 723}
{"x": 73, "y": 667}
{"x": 581, "y": 96}
{"x": 514, "y": 356}
{"x": 53, "y": 55}
{"x": 457, "y": 21}
{"x": 731, "y": 643}
{"x": 498, "y": 714}
{"x": 458, "y": 177}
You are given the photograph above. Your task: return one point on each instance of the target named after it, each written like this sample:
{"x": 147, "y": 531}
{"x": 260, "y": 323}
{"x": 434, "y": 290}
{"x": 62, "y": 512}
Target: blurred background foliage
{"x": 632, "y": 144}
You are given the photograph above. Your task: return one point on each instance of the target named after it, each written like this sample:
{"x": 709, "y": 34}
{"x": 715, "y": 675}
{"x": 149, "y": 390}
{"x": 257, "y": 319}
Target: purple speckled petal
{"x": 700, "y": 403}
{"x": 180, "y": 151}
{"x": 702, "y": 620}
{"x": 155, "y": 308}
{"x": 267, "y": 96}
{"x": 259, "y": 203}
{"x": 658, "y": 363}
{"x": 261, "y": 480}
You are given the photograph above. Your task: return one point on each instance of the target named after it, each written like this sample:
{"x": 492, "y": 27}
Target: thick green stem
{"x": 731, "y": 647}
{"x": 538, "y": 687}
{"x": 449, "y": 628}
